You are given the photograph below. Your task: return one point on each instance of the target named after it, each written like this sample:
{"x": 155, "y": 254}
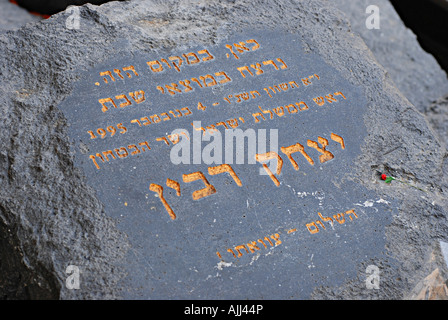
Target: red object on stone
{"x": 383, "y": 176}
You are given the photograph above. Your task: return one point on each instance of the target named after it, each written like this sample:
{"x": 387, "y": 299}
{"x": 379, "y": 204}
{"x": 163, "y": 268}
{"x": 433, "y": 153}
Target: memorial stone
{"x": 212, "y": 150}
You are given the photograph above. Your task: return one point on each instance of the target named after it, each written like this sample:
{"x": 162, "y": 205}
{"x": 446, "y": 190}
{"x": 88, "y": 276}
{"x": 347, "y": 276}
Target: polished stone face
{"x": 290, "y": 218}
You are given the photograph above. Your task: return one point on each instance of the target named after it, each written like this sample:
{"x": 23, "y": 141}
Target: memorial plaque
{"x": 211, "y": 150}
{"x": 229, "y": 168}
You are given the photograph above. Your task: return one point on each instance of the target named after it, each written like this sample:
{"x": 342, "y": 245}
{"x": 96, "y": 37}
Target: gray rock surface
{"x": 51, "y": 216}
{"x": 437, "y": 115}
{"x": 13, "y": 17}
{"x": 415, "y": 72}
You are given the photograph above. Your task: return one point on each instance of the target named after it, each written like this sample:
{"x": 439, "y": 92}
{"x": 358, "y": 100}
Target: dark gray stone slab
{"x": 266, "y": 227}
{"x": 258, "y": 240}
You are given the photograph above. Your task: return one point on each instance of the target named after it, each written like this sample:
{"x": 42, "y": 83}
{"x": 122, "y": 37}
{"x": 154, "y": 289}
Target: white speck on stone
{"x": 368, "y": 204}
{"x": 222, "y": 264}
{"x": 303, "y": 194}
{"x": 254, "y": 258}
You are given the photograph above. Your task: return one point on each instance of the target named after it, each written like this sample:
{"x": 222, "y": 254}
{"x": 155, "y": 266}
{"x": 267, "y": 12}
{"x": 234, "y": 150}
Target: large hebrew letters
{"x": 256, "y": 45}
{"x": 155, "y": 66}
{"x": 242, "y": 47}
{"x": 223, "y": 74}
{"x": 208, "y": 55}
{"x": 205, "y": 192}
{"x": 138, "y": 96}
{"x": 124, "y": 153}
{"x": 293, "y": 149}
{"x": 268, "y": 156}
{"x": 245, "y": 68}
{"x": 177, "y": 62}
{"x": 103, "y": 103}
{"x": 326, "y": 155}
{"x": 225, "y": 168}
{"x": 284, "y": 66}
{"x": 107, "y": 73}
{"x": 130, "y": 68}
{"x": 118, "y": 73}
{"x": 93, "y": 158}
{"x": 271, "y": 62}
{"x": 338, "y": 139}
{"x": 188, "y": 57}
{"x": 339, "y": 217}
{"x": 257, "y": 67}
{"x": 174, "y": 185}
{"x": 159, "y": 190}
{"x": 126, "y": 100}
{"x": 351, "y": 212}
{"x": 312, "y": 227}
{"x": 208, "y": 83}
